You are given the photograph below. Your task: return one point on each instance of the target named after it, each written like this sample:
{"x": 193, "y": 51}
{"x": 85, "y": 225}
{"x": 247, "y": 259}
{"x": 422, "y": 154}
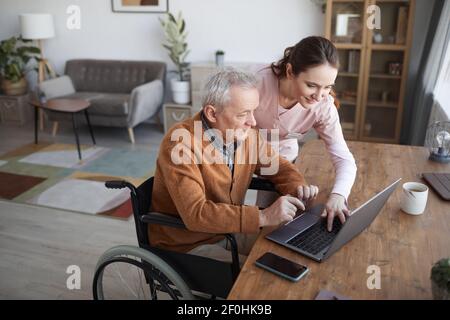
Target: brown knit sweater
{"x": 207, "y": 196}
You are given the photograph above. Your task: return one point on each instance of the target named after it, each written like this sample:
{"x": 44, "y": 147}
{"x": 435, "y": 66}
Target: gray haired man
{"x": 209, "y": 196}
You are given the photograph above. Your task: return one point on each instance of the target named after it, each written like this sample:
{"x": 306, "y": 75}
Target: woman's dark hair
{"x": 309, "y": 52}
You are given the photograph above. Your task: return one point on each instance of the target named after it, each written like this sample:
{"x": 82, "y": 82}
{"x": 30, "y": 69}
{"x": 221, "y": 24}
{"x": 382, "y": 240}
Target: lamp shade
{"x": 37, "y": 26}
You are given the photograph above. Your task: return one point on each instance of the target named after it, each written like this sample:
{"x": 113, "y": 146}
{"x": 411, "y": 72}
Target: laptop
{"x": 440, "y": 181}
{"x": 308, "y": 234}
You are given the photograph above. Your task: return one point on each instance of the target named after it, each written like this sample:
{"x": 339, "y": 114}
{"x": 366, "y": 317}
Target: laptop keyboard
{"x": 317, "y": 237}
{"x": 440, "y": 182}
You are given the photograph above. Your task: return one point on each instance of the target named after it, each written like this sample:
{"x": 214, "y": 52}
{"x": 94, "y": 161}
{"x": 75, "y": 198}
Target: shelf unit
{"x": 374, "y": 66}
{"x": 15, "y": 110}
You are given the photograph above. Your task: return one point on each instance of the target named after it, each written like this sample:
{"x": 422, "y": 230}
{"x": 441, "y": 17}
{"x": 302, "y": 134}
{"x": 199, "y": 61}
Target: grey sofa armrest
{"x": 145, "y": 101}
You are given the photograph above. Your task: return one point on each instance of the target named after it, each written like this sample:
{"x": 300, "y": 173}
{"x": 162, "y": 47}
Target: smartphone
{"x": 281, "y": 266}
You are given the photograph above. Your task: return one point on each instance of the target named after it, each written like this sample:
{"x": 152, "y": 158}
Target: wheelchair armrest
{"x": 262, "y": 184}
{"x": 171, "y": 221}
{"x": 163, "y": 219}
{"x": 120, "y": 184}
{"x": 235, "y": 265}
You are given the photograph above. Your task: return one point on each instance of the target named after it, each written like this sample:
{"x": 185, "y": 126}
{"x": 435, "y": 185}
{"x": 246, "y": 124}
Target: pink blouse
{"x": 293, "y": 123}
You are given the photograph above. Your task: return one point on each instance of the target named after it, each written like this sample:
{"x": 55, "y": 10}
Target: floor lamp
{"x": 39, "y": 26}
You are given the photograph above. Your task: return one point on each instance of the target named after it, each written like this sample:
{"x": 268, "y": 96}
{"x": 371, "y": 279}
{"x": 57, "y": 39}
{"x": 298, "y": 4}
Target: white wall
{"x": 247, "y": 30}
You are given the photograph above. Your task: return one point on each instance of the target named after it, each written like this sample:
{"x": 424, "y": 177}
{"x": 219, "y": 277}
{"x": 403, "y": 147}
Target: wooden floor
{"x": 37, "y": 244}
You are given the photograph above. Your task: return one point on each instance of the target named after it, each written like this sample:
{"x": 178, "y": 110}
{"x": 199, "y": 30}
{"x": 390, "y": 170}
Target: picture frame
{"x": 140, "y": 6}
{"x": 348, "y": 27}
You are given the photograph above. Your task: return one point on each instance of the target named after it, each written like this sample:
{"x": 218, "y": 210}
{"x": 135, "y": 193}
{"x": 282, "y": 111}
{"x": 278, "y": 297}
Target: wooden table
{"x": 71, "y": 106}
{"x": 403, "y": 246}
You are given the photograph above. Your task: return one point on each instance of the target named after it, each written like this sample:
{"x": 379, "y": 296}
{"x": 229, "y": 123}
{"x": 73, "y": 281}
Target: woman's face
{"x": 313, "y": 85}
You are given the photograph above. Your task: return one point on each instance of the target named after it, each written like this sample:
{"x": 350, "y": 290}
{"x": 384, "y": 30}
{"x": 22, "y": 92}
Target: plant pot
{"x": 181, "y": 91}
{"x": 439, "y": 293}
{"x": 220, "y": 60}
{"x": 14, "y": 88}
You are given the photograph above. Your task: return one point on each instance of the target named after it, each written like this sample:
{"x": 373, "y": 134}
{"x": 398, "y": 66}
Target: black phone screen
{"x": 282, "y": 265}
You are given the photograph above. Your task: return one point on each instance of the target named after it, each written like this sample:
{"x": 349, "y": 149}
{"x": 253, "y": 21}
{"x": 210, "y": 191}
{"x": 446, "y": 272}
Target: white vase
{"x": 181, "y": 91}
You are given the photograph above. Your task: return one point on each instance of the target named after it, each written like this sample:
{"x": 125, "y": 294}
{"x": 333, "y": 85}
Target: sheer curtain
{"x": 442, "y": 90}
{"x": 430, "y": 66}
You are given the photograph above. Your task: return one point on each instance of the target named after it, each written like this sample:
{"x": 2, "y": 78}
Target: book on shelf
{"x": 367, "y": 129}
{"x": 348, "y": 95}
{"x": 402, "y": 21}
{"x": 353, "y": 61}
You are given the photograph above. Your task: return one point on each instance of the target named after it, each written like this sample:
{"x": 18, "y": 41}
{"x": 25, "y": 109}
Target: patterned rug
{"x": 51, "y": 175}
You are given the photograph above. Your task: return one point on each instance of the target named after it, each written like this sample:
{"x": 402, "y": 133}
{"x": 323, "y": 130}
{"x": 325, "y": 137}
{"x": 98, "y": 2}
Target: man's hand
{"x": 282, "y": 210}
{"x": 335, "y": 206}
{"x": 306, "y": 193}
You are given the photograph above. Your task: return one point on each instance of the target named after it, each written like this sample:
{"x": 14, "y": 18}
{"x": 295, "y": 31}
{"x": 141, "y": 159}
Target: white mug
{"x": 414, "y": 197}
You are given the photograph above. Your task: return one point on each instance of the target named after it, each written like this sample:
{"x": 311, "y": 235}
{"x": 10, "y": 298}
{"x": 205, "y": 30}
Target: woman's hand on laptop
{"x": 306, "y": 193}
{"x": 335, "y": 206}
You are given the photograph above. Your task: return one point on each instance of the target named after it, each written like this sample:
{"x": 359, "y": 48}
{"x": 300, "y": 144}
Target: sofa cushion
{"x": 82, "y": 95}
{"x": 57, "y": 87}
{"x": 111, "y": 104}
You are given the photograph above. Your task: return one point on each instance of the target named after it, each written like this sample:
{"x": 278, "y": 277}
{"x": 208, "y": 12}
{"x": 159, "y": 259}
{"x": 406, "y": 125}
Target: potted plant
{"x": 220, "y": 57}
{"x": 440, "y": 279}
{"x": 14, "y": 57}
{"x": 175, "y": 32}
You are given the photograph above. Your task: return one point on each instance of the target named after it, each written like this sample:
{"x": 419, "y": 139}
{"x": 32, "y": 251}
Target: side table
{"x": 72, "y": 106}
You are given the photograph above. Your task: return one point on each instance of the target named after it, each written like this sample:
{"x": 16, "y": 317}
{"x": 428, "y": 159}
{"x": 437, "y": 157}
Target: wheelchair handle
{"x": 116, "y": 184}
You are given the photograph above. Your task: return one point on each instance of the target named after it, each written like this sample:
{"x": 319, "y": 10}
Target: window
{"x": 442, "y": 88}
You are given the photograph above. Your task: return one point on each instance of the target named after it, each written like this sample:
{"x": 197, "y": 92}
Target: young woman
{"x": 295, "y": 96}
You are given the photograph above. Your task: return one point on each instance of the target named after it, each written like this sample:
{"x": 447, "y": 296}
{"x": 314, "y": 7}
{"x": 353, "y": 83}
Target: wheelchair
{"x": 146, "y": 272}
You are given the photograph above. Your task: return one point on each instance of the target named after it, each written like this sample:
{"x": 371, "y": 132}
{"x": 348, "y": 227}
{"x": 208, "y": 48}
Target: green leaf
{"x": 17, "y": 70}
{"x": 33, "y": 50}
{"x": 172, "y": 31}
{"x": 172, "y": 18}
{"x": 167, "y": 47}
{"x": 174, "y": 59}
{"x": 183, "y": 25}
{"x": 183, "y": 57}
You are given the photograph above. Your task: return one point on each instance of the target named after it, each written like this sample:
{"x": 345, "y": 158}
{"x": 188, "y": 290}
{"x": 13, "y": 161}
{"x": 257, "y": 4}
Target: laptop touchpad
{"x": 304, "y": 221}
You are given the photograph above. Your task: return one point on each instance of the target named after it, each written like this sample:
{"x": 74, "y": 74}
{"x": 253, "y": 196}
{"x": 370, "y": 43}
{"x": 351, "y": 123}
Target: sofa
{"x": 122, "y": 93}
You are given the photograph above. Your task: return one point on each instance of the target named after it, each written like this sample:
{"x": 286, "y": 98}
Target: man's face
{"x": 238, "y": 113}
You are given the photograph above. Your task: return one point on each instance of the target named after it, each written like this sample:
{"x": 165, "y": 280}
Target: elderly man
{"x": 205, "y": 166}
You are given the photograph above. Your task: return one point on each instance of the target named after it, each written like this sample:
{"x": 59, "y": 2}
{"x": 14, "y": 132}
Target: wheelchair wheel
{"x": 128, "y": 272}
